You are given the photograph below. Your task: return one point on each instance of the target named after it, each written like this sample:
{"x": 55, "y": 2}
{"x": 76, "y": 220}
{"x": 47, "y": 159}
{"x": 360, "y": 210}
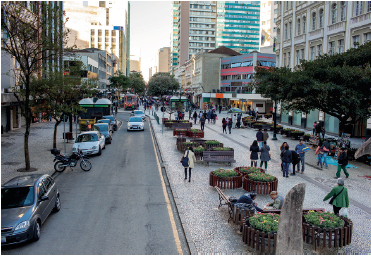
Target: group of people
{"x": 249, "y": 198}
{"x": 294, "y": 157}
{"x": 210, "y": 116}
{"x": 318, "y": 130}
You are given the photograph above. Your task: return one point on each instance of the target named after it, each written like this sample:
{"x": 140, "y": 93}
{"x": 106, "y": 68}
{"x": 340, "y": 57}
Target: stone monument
{"x": 289, "y": 234}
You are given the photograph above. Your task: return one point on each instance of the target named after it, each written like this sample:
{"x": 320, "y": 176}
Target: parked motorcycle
{"x": 70, "y": 161}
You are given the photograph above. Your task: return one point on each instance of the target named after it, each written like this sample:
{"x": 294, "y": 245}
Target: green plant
{"x": 324, "y": 219}
{"x": 288, "y": 129}
{"x": 221, "y": 149}
{"x": 262, "y": 177}
{"x": 225, "y": 173}
{"x": 278, "y": 126}
{"x": 189, "y": 143}
{"x": 296, "y": 131}
{"x": 198, "y": 149}
{"x": 265, "y": 222}
{"x": 249, "y": 169}
{"x": 307, "y": 135}
{"x": 181, "y": 130}
{"x": 212, "y": 142}
{"x": 194, "y": 130}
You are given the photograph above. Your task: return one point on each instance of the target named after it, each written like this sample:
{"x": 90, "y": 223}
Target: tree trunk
{"x": 70, "y": 117}
{"x": 26, "y": 135}
{"x": 55, "y": 133}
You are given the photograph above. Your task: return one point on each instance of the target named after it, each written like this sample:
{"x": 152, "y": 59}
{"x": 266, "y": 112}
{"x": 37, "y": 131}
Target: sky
{"x": 150, "y": 28}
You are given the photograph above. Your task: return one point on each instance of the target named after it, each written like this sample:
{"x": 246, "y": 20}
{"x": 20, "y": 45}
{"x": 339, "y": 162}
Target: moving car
{"x": 138, "y": 113}
{"x": 103, "y": 129}
{"x": 90, "y": 142}
{"x": 26, "y": 202}
{"x": 135, "y": 123}
{"x": 108, "y": 121}
{"x": 113, "y": 121}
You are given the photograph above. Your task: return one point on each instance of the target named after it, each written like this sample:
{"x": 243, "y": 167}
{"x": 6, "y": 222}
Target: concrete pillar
{"x": 326, "y": 13}
{"x": 290, "y": 231}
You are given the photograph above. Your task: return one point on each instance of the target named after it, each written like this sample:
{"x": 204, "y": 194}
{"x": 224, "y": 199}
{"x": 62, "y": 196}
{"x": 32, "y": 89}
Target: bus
{"x": 95, "y": 109}
{"x": 130, "y": 101}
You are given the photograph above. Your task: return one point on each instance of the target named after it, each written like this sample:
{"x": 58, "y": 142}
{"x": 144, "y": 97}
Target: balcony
{"x": 315, "y": 34}
{"x": 299, "y": 39}
{"x": 286, "y": 43}
{"x": 360, "y": 20}
{"x": 336, "y": 28}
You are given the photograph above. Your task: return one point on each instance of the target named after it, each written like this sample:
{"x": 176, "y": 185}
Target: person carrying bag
{"x": 339, "y": 196}
{"x": 188, "y": 161}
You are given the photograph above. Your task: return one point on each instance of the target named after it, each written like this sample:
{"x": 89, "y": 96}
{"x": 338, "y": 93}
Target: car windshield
{"x": 103, "y": 121}
{"x": 16, "y": 197}
{"x": 109, "y": 118}
{"x": 101, "y": 128}
{"x": 87, "y": 138}
{"x": 135, "y": 119}
{"x": 138, "y": 112}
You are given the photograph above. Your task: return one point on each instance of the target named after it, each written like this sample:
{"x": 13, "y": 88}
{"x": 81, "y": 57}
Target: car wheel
{"x": 57, "y": 205}
{"x": 100, "y": 151}
{"x": 104, "y": 147}
{"x": 37, "y": 231}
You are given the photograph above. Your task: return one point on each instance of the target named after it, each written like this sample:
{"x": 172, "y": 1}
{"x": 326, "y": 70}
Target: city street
{"x": 118, "y": 207}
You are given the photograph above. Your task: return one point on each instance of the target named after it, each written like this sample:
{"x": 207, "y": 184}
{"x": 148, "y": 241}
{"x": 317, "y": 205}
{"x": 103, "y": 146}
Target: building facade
{"x": 163, "y": 59}
{"x": 306, "y": 30}
{"x": 174, "y": 55}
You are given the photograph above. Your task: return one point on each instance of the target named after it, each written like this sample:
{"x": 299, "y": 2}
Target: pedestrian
{"x": 286, "y": 158}
{"x": 314, "y": 127}
{"x": 295, "y": 160}
{"x": 323, "y": 132}
{"x": 342, "y": 163}
{"x": 318, "y": 130}
{"x": 282, "y": 148}
{"x": 320, "y": 151}
{"x": 277, "y": 200}
{"x": 212, "y": 116}
{"x": 260, "y": 138}
{"x": 208, "y": 116}
{"x": 265, "y": 135}
{"x": 271, "y": 110}
{"x": 249, "y": 199}
{"x": 238, "y": 124}
{"x": 195, "y": 117}
{"x": 215, "y": 117}
{"x": 201, "y": 114}
{"x": 191, "y": 163}
{"x": 88, "y": 125}
{"x": 202, "y": 122}
{"x": 265, "y": 156}
{"x": 254, "y": 149}
{"x": 220, "y": 108}
{"x": 224, "y": 125}
{"x": 299, "y": 150}
{"x": 325, "y": 153}
{"x": 230, "y": 123}
{"x": 339, "y": 196}
{"x": 180, "y": 115}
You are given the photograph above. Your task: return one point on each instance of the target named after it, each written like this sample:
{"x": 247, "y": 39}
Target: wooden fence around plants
{"x": 185, "y": 147}
{"x": 225, "y": 182}
{"x": 261, "y": 241}
{"x": 210, "y": 146}
{"x": 328, "y": 237}
{"x": 260, "y": 187}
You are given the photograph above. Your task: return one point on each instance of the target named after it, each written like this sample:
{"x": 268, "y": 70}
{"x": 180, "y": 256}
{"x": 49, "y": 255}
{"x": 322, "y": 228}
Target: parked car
{"x": 113, "y": 121}
{"x": 139, "y": 113}
{"x": 108, "y": 121}
{"x": 135, "y": 123}
{"x": 103, "y": 129}
{"x": 90, "y": 142}
{"x": 26, "y": 202}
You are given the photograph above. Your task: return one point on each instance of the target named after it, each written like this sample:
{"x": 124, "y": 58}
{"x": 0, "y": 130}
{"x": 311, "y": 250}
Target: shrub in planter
{"x": 212, "y": 142}
{"x": 225, "y": 173}
{"x": 324, "y": 219}
{"x": 198, "y": 149}
{"x": 262, "y": 177}
{"x": 221, "y": 149}
{"x": 248, "y": 169}
{"x": 265, "y": 222}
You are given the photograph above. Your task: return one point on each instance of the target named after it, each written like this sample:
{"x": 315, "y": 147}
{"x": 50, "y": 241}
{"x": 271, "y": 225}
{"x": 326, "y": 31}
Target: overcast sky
{"x": 150, "y": 28}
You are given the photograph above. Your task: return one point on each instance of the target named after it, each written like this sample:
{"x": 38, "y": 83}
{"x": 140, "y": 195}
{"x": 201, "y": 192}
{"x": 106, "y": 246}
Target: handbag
{"x": 184, "y": 160}
{"x": 333, "y": 198}
{"x": 268, "y": 152}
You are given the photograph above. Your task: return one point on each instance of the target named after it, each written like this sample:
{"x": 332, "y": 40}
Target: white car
{"x": 135, "y": 123}
{"x": 90, "y": 142}
{"x": 138, "y": 113}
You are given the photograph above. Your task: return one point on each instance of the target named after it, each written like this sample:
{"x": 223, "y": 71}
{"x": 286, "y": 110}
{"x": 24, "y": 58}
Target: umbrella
{"x": 364, "y": 149}
{"x": 235, "y": 110}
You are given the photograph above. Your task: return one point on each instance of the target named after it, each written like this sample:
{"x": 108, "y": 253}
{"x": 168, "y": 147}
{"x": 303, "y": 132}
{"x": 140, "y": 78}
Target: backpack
{"x": 230, "y": 122}
{"x": 185, "y": 160}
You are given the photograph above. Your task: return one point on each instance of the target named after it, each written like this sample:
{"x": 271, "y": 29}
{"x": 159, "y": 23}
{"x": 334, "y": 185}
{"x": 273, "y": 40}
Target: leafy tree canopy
{"x": 161, "y": 84}
{"x": 137, "y": 82}
{"x": 119, "y": 81}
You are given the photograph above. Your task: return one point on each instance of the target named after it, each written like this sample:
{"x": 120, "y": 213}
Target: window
{"x": 290, "y": 27}
{"x": 302, "y": 54}
{"x": 312, "y": 53}
{"x": 319, "y": 49}
{"x": 288, "y": 59}
{"x": 275, "y": 10}
{"x": 297, "y": 56}
{"x": 334, "y": 13}
{"x": 343, "y": 13}
{"x": 304, "y": 24}
{"x": 298, "y": 24}
{"x": 291, "y": 4}
{"x": 331, "y": 49}
{"x": 287, "y": 5}
{"x": 341, "y": 46}
{"x": 355, "y": 41}
{"x": 321, "y": 18}
{"x": 263, "y": 22}
{"x": 286, "y": 31}
{"x": 314, "y": 21}
{"x": 368, "y": 6}
{"x": 358, "y": 8}
{"x": 284, "y": 60}
{"x": 367, "y": 37}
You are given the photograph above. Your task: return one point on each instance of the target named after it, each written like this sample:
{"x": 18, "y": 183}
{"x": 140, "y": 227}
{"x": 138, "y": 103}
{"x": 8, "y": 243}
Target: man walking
{"x": 342, "y": 163}
{"x": 220, "y": 108}
{"x": 299, "y": 150}
{"x": 260, "y": 138}
{"x": 202, "y": 122}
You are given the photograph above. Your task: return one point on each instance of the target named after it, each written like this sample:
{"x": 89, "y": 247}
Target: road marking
{"x": 172, "y": 221}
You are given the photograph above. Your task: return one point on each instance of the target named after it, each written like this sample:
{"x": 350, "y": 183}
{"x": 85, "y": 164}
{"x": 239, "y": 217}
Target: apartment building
{"x": 174, "y": 56}
{"x": 163, "y": 59}
{"x": 307, "y": 29}
{"x": 268, "y": 18}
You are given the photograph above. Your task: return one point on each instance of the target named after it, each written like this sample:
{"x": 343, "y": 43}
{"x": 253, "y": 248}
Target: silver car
{"x": 139, "y": 113}
{"x": 135, "y": 123}
{"x": 26, "y": 202}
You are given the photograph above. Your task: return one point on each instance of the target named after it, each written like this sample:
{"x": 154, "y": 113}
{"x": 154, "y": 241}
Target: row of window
{"x": 205, "y": 26}
{"x": 107, "y": 34}
{"x": 198, "y": 6}
{"x": 202, "y": 38}
{"x": 222, "y": 21}
{"x": 201, "y": 32}
{"x": 238, "y": 7}
{"x": 247, "y": 64}
{"x": 201, "y": 19}
{"x": 237, "y": 16}
{"x": 202, "y": 44}
{"x": 236, "y": 77}
{"x": 238, "y": 35}
{"x": 234, "y": 26}
{"x": 202, "y": 13}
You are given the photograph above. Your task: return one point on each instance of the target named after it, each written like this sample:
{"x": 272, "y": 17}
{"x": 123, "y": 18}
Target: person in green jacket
{"x": 341, "y": 200}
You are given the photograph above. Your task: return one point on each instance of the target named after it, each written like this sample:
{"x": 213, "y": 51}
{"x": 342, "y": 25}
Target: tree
{"x": 31, "y": 39}
{"x": 137, "y": 83}
{"x": 162, "y": 83}
{"x": 120, "y": 81}
{"x": 338, "y": 85}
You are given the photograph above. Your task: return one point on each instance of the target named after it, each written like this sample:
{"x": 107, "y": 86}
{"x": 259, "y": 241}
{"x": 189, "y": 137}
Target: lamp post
{"x": 275, "y": 120}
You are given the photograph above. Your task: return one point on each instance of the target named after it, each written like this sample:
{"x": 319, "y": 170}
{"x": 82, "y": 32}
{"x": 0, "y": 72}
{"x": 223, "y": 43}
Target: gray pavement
{"x": 197, "y": 202}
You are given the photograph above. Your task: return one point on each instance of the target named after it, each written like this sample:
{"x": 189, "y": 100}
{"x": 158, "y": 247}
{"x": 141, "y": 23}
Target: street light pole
{"x": 275, "y": 121}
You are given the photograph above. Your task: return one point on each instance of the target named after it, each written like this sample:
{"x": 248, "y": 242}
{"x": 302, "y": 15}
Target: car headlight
{"x": 129, "y": 124}
{"x": 22, "y": 225}
{"x": 94, "y": 147}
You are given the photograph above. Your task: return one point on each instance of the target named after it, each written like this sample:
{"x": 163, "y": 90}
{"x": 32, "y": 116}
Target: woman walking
{"x": 340, "y": 196}
{"x": 286, "y": 158}
{"x": 320, "y": 151}
{"x": 195, "y": 117}
{"x": 224, "y": 125}
{"x": 230, "y": 123}
{"x": 264, "y": 156}
{"x": 282, "y": 148}
{"x": 254, "y": 149}
{"x": 191, "y": 163}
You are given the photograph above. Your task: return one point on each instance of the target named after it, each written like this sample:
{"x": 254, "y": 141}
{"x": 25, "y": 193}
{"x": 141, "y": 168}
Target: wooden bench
{"x": 219, "y": 156}
{"x": 223, "y": 200}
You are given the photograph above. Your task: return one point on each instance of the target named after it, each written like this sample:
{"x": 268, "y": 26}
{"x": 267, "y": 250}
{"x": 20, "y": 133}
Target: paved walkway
{"x": 197, "y": 201}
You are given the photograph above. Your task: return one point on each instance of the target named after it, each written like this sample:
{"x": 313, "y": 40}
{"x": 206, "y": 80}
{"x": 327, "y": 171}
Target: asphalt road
{"x": 118, "y": 207}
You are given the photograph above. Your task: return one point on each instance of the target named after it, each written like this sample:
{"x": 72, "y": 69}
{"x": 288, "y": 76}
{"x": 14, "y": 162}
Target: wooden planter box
{"x": 209, "y": 147}
{"x": 199, "y": 156}
{"x": 185, "y": 147}
{"x": 306, "y": 138}
{"x": 181, "y": 125}
{"x": 262, "y": 242}
{"x": 268, "y": 116}
{"x": 199, "y": 141}
{"x": 179, "y": 133}
{"x": 164, "y": 120}
{"x": 225, "y": 183}
{"x": 328, "y": 238}
{"x": 179, "y": 142}
{"x": 260, "y": 187}
{"x": 296, "y": 135}
{"x": 238, "y": 169}
{"x": 200, "y": 134}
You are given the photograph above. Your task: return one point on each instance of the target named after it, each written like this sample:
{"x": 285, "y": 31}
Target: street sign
{"x": 163, "y": 108}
